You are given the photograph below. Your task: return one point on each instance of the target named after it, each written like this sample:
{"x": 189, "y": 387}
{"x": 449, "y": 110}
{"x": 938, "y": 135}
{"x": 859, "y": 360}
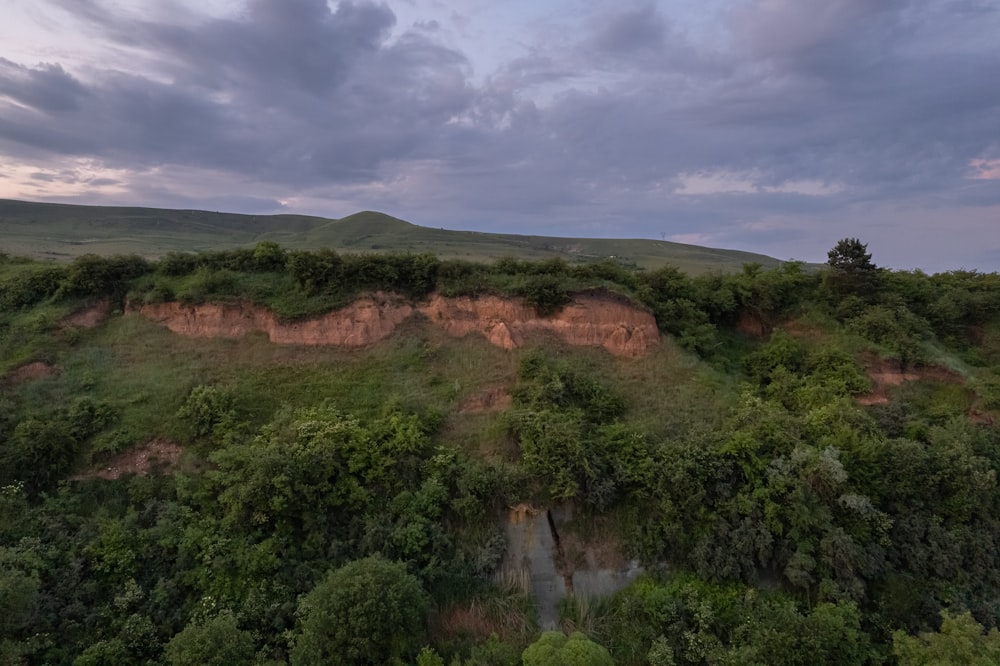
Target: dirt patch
{"x": 589, "y": 320}
{"x": 886, "y": 374}
{"x": 30, "y": 372}
{"x": 90, "y": 317}
{"x": 981, "y": 418}
{"x": 752, "y": 326}
{"x": 493, "y": 399}
{"x": 592, "y": 554}
{"x": 154, "y": 455}
{"x": 798, "y": 329}
{"x": 479, "y": 619}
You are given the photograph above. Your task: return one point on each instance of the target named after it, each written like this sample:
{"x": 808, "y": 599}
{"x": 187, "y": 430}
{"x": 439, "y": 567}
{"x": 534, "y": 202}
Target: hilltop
{"x": 64, "y": 231}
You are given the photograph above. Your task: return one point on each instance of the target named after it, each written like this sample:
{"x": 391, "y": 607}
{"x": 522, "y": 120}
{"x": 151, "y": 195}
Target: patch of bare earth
{"x": 493, "y": 399}
{"x": 886, "y": 374}
{"x": 478, "y": 619}
{"x": 90, "y": 317}
{"x": 798, "y": 329}
{"x": 591, "y": 319}
{"x": 155, "y": 455}
{"x": 751, "y": 326}
{"x": 29, "y": 372}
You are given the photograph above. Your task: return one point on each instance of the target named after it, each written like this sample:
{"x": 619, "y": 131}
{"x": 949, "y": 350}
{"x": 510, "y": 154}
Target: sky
{"x": 774, "y": 126}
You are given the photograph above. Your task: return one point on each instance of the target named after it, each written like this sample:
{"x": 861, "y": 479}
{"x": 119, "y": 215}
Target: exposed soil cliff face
{"x": 361, "y": 323}
{"x": 141, "y": 460}
{"x": 89, "y": 317}
{"x": 29, "y": 372}
{"x": 594, "y": 320}
{"x": 589, "y": 320}
{"x": 886, "y": 374}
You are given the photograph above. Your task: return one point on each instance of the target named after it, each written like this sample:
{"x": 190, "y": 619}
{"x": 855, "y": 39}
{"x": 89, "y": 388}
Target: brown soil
{"x": 797, "y": 329}
{"x": 751, "y": 326}
{"x": 478, "y": 620}
{"x": 29, "y": 372}
{"x": 89, "y": 317}
{"x": 591, "y": 319}
{"x": 592, "y": 554}
{"x": 494, "y": 399}
{"x": 152, "y": 456}
{"x": 522, "y": 512}
{"x": 980, "y": 417}
{"x": 887, "y": 374}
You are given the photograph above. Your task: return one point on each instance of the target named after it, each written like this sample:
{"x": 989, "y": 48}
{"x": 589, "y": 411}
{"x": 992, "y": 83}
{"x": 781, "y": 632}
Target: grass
{"x": 145, "y": 372}
{"x": 64, "y": 231}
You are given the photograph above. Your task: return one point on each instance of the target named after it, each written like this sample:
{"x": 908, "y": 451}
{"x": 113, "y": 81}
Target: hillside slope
{"x": 800, "y": 467}
{"x": 63, "y": 231}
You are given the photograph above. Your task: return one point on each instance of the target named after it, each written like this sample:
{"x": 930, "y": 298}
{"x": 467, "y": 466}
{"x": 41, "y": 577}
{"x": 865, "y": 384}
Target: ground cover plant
{"x": 806, "y": 466}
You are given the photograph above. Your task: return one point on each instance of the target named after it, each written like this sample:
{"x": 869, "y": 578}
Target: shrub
{"x": 369, "y": 611}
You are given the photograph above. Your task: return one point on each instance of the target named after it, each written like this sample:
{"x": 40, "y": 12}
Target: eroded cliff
{"x": 590, "y": 319}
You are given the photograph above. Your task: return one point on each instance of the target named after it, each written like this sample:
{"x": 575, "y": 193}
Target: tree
{"x": 852, "y": 270}
{"x": 961, "y": 641}
{"x": 850, "y": 254}
{"x": 369, "y": 611}
{"x": 313, "y": 470}
{"x": 216, "y": 641}
{"x": 554, "y": 648}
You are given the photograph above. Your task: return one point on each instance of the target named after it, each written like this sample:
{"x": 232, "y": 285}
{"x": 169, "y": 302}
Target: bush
{"x": 29, "y": 286}
{"x": 217, "y": 641}
{"x": 369, "y": 611}
{"x": 91, "y": 275}
{"x": 546, "y": 293}
{"x": 554, "y": 648}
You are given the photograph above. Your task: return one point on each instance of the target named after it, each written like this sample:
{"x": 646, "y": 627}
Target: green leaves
{"x": 554, "y": 648}
{"x": 369, "y": 611}
{"x": 571, "y": 440}
{"x": 214, "y": 641}
{"x": 961, "y": 641}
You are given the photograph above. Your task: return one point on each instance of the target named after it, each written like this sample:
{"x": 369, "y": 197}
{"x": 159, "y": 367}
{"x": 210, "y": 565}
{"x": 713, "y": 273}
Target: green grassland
{"x": 63, "y": 231}
{"x": 806, "y": 465}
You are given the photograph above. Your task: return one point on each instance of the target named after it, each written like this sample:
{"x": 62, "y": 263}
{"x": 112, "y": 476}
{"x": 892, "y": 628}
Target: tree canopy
{"x": 369, "y": 611}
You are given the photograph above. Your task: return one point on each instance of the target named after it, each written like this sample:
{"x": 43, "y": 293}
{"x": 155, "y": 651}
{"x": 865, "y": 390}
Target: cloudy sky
{"x": 778, "y": 126}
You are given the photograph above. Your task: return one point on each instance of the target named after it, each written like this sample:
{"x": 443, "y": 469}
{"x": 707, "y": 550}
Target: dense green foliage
{"x": 369, "y": 611}
{"x": 961, "y": 642}
{"x": 553, "y": 648}
{"x": 791, "y": 503}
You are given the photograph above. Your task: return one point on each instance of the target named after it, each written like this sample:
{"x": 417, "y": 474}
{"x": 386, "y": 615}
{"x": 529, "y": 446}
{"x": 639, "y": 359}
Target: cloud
{"x": 46, "y": 88}
{"x": 985, "y": 169}
{"x": 635, "y": 28}
{"x": 795, "y": 122}
{"x": 290, "y": 91}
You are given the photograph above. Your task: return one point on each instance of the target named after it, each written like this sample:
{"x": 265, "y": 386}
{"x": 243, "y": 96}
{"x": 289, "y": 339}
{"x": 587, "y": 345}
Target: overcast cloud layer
{"x": 777, "y": 126}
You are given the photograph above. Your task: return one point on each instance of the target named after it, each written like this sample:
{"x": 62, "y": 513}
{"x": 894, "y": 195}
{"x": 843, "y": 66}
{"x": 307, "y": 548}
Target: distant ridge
{"x": 63, "y": 231}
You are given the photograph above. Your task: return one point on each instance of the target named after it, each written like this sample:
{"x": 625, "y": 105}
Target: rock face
{"x": 361, "y": 323}
{"x": 90, "y": 317}
{"x": 591, "y": 320}
{"x": 540, "y": 556}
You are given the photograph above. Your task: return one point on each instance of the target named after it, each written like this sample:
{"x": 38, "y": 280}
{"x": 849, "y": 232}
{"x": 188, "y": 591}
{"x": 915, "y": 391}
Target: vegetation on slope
{"x": 785, "y": 511}
{"x": 65, "y": 231}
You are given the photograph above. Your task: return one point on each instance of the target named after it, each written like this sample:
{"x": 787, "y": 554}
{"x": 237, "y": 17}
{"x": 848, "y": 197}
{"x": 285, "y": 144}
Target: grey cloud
{"x": 888, "y": 101}
{"x": 46, "y": 87}
{"x": 291, "y": 91}
{"x": 632, "y": 29}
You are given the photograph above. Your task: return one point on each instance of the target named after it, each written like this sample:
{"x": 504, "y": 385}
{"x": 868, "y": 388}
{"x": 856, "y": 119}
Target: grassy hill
{"x": 805, "y": 464}
{"x": 64, "y": 231}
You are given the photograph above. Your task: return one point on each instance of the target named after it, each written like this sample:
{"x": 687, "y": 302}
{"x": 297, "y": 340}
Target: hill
{"x": 216, "y": 458}
{"x": 64, "y": 231}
